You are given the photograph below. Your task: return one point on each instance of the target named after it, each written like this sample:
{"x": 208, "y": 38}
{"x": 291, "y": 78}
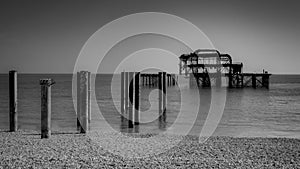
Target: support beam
{"x": 83, "y": 102}
{"x": 254, "y": 81}
{"x": 126, "y": 93}
{"x": 122, "y": 95}
{"x": 13, "y": 101}
{"x": 89, "y": 99}
{"x": 78, "y": 102}
{"x": 164, "y": 88}
{"x": 137, "y": 99}
{"x": 46, "y": 107}
{"x": 131, "y": 90}
{"x": 160, "y": 94}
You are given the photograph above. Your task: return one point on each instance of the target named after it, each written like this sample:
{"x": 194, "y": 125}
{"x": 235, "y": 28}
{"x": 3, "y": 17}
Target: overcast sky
{"x": 47, "y": 36}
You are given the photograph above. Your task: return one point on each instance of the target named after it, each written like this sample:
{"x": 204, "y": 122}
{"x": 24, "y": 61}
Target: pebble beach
{"x": 26, "y": 149}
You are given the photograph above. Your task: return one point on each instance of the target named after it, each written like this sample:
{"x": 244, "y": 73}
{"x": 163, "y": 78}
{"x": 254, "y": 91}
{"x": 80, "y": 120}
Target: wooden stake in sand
{"x": 164, "y": 95}
{"x": 82, "y": 114}
{"x": 122, "y": 95}
{"x": 46, "y": 107}
{"x": 126, "y": 93}
{"x": 89, "y": 98}
{"x": 137, "y": 99}
{"x": 13, "y": 113}
{"x": 160, "y": 94}
{"x": 130, "y": 109}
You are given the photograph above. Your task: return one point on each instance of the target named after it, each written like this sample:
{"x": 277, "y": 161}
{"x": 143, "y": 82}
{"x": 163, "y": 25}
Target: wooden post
{"x": 131, "y": 86}
{"x": 126, "y": 92}
{"x": 83, "y": 113}
{"x": 164, "y": 94}
{"x": 46, "y": 107}
{"x": 174, "y": 80}
{"x": 230, "y": 77}
{"x": 242, "y": 81}
{"x": 265, "y": 80}
{"x": 89, "y": 99}
{"x": 13, "y": 101}
{"x": 122, "y": 95}
{"x": 254, "y": 81}
{"x": 78, "y": 102}
{"x": 160, "y": 93}
{"x": 137, "y": 99}
{"x": 218, "y": 79}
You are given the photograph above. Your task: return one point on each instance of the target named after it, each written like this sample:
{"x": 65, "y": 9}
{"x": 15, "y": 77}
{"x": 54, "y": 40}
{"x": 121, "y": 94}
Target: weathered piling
{"x": 78, "y": 102}
{"x": 254, "y": 81}
{"x": 46, "y": 107}
{"x": 130, "y": 109}
{"x": 82, "y": 115}
{"x": 89, "y": 98}
{"x": 218, "y": 79}
{"x": 173, "y": 79}
{"x": 137, "y": 98}
{"x": 122, "y": 95}
{"x": 265, "y": 79}
{"x": 13, "y": 101}
{"x": 160, "y": 94}
{"x": 164, "y": 88}
{"x": 126, "y": 90}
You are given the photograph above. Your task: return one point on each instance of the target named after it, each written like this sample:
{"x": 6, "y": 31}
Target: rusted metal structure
{"x": 208, "y": 67}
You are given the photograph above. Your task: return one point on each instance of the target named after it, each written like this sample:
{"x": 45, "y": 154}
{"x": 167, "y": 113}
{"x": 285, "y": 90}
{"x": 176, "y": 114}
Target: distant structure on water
{"x": 208, "y": 67}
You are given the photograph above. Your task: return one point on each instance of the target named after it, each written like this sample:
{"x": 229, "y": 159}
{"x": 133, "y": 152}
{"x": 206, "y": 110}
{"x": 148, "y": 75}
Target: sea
{"x": 248, "y": 112}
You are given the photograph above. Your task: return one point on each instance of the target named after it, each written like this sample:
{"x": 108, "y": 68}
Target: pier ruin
{"x": 208, "y": 67}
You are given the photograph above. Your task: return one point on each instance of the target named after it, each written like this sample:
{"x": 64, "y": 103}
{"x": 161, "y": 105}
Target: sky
{"x": 47, "y": 36}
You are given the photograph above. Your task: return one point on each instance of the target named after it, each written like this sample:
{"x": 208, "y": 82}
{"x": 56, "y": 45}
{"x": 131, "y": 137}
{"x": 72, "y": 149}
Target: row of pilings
{"x": 130, "y": 94}
{"x": 151, "y": 79}
{"x": 83, "y": 113}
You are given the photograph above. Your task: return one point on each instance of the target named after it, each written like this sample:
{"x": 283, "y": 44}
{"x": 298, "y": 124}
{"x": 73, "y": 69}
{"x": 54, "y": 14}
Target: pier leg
{"x": 230, "y": 79}
{"x": 254, "y": 81}
{"x": 174, "y": 79}
{"x": 131, "y": 86}
{"x": 78, "y": 102}
{"x": 164, "y": 95}
{"x": 89, "y": 99}
{"x": 46, "y": 107}
{"x": 126, "y": 93}
{"x": 160, "y": 94}
{"x": 122, "y": 95}
{"x": 219, "y": 79}
{"x": 83, "y": 118}
{"x": 13, "y": 108}
{"x": 137, "y": 99}
{"x": 265, "y": 80}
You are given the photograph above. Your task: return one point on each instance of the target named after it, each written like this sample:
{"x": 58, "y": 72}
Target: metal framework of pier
{"x": 207, "y": 67}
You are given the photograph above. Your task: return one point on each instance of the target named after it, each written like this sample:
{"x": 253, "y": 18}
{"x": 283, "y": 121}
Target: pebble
{"x": 25, "y": 149}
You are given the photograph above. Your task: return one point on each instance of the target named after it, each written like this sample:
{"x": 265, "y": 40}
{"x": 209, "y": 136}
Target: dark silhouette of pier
{"x": 205, "y": 66}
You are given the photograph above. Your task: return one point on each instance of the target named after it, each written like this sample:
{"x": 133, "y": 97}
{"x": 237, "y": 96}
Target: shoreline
{"x": 25, "y": 149}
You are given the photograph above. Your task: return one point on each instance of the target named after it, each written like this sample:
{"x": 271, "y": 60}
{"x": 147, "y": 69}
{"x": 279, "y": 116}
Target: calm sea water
{"x": 248, "y": 112}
